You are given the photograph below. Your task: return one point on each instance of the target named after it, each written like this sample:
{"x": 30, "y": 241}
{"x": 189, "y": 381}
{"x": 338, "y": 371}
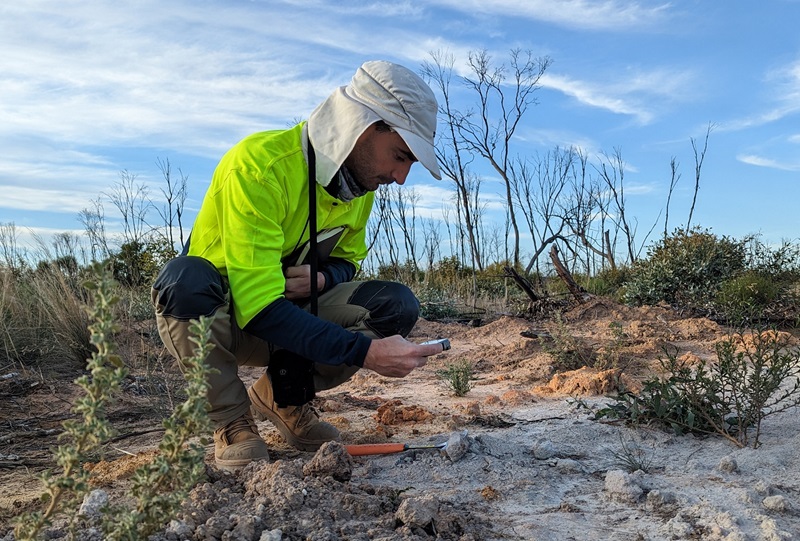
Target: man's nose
{"x": 401, "y": 173}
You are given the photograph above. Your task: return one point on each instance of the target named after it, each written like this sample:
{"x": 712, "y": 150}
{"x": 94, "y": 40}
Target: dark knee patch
{"x": 393, "y": 308}
{"x": 189, "y": 287}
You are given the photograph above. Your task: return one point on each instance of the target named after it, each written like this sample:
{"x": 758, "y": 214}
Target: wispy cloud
{"x": 784, "y": 85}
{"x": 633, "y": 93}
{"x": 761, "y": 161}
{"x": 585, "y": 14}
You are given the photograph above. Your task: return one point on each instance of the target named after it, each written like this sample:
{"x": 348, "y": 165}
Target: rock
{"x": 777, "y": 504}
{"x": 728, "y": 465}
{"x": 418, "y": 511}
{"x": 93, "y": 503}
{"x": 660, "y": 501}
{"x": 457, "y": 446}
{"x": 567, "y": 465}
{"x": 179, "y": 529}
{"x": 331, "y": 459}
{"x": 544, "y": 449}
{"x": 622, "y": 486}
{"x": 271, "y": 535}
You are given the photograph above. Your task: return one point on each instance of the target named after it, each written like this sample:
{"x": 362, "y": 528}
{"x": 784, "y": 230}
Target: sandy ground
{"x": 525, "y": 458}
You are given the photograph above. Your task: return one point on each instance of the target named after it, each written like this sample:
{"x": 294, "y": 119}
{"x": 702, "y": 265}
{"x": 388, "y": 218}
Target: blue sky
{"x": 90, "y": 88}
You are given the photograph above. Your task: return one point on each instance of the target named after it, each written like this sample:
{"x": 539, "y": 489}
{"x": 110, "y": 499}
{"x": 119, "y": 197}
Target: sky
{"x": 92, "y": 88}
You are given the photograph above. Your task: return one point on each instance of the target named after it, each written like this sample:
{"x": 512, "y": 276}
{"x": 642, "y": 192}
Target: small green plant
{"x": 159, "y": 488}
{"x": 632, "y": 456}
{"x": 568, "y": 353}
{"x": 730, "y": 397}
{"x": 610, "y": 355}
{"x": 458, "y": 376}
{"x": 746, "y": 298}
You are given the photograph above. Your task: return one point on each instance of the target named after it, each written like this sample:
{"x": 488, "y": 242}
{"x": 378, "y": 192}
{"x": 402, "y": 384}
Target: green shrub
{"x": 685, "y": 269}
{"x": 159, "y": 488}
{"x": 730, "y": 397}
{"x": 137, "y": 264}
{"x": 568, "y": 353}
{"x": 458, "y": 376}
{"x": 745, "y": 298}
{"x": 608, "y": 283}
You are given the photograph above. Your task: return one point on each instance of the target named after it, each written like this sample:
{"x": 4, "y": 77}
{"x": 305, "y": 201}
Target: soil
{"x": 525, "y": 458}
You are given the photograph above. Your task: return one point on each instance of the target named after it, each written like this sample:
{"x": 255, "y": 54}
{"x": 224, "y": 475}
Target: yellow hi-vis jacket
{"x": 255, "y": 213}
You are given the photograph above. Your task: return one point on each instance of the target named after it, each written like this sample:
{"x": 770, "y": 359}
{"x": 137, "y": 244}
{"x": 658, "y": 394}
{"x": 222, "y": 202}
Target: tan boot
{"x": 299, "y": 425}
{"x": 238, "y": 443}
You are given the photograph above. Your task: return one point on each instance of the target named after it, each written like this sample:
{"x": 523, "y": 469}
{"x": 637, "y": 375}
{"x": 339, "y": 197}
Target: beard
{"x": 360, "y": 165}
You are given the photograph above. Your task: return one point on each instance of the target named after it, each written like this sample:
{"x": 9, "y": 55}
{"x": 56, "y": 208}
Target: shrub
{"x": 730, "y": 397}
{"x": 458, "y": 376}
{"x": 159, "y": 488}
{"x": 568, "y": 353}
{"x": 685, "y": 269}
{"x": 745, "y": 298}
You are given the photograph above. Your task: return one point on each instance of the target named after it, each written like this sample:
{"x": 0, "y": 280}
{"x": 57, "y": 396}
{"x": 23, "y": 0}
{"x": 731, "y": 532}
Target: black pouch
{"x": 292, "y": 379}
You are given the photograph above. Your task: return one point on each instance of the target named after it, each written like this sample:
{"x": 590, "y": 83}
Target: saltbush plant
{"x": 160, "y": 487}
{"x": 756, "y": 375}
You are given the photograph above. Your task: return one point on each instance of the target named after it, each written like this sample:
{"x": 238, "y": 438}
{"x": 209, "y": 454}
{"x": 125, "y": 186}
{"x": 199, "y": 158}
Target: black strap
{"x": 312, "y": 224}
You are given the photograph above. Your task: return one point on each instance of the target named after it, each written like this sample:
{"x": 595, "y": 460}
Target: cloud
{"x": 581, "y": 14}
{"x": 760, "y": 161}
{"x": 631, "y": 93}
{"x": 784, "y": 84}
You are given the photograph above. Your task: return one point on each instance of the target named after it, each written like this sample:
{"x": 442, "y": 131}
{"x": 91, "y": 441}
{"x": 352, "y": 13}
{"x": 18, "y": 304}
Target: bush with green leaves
{"x": 159, "y": 488}
{"x": 747, "y": 298}
{"x": 457, "y": 376}
{"x": 685, "y": 269}
{"x": 730, "y": 397}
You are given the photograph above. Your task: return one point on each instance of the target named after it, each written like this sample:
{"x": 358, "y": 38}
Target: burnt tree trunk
{"x": 523, "y": 283}
{"x": 565, "y": 275}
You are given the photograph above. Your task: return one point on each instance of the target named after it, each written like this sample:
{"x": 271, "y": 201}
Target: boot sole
{"x": 263, "y": 413}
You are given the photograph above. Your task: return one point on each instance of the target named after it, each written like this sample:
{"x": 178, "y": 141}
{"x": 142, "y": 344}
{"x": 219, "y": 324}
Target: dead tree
{"x": 454, "y": 161}
{"x": 577, "y": 292}
{"x": 488, "y": 130}
{"x": 699, "y": 156}
{"x": 175, "y": 198}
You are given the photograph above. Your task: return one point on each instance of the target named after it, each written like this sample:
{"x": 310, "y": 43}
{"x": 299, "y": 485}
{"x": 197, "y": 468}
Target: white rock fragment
{"x": 93, "y": 504}
{"x": 622, "y": 486}
{"x": 659, "y": 501}
{"x": 777, "y": 504}
{"x": 728, "y": 464}
{"x": 568, "y": 465}
{"x": 457, "y": 446}
{"x": 418, "y": 511}
{"x": 271, "y": 535}
{"x": 544, "y": 449}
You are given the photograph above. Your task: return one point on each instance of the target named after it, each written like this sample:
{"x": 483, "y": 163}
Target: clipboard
{"x": 326, "y": 242}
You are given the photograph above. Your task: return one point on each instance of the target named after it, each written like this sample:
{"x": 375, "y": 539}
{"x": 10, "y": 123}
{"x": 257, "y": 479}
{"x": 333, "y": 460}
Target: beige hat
{"x": 379, "y": 90}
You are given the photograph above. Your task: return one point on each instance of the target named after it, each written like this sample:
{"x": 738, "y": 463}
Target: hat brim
{"x": 422, "y": 151}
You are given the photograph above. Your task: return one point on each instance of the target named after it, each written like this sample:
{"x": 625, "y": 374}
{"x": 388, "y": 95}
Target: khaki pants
{"x": 189, "y": 287}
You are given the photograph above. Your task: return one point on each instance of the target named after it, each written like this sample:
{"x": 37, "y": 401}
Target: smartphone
{"x": 444, "y": 341}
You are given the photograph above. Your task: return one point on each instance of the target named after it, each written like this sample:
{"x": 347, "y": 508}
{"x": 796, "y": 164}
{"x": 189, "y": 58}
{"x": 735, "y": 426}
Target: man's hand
{"x": 396, "y": 357}
{"x": 298, "y": 284}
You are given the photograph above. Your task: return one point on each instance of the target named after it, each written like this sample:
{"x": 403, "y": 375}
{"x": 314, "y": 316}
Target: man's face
{"x": 379, "y": 157}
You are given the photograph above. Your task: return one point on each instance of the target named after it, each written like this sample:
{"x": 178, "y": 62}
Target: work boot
{"x": 299, "y": 425}
{"x": 238, "y": 443}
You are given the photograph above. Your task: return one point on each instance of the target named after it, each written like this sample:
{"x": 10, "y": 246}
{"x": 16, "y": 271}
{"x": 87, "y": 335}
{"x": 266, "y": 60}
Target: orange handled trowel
{"x": 362, "y": 449}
